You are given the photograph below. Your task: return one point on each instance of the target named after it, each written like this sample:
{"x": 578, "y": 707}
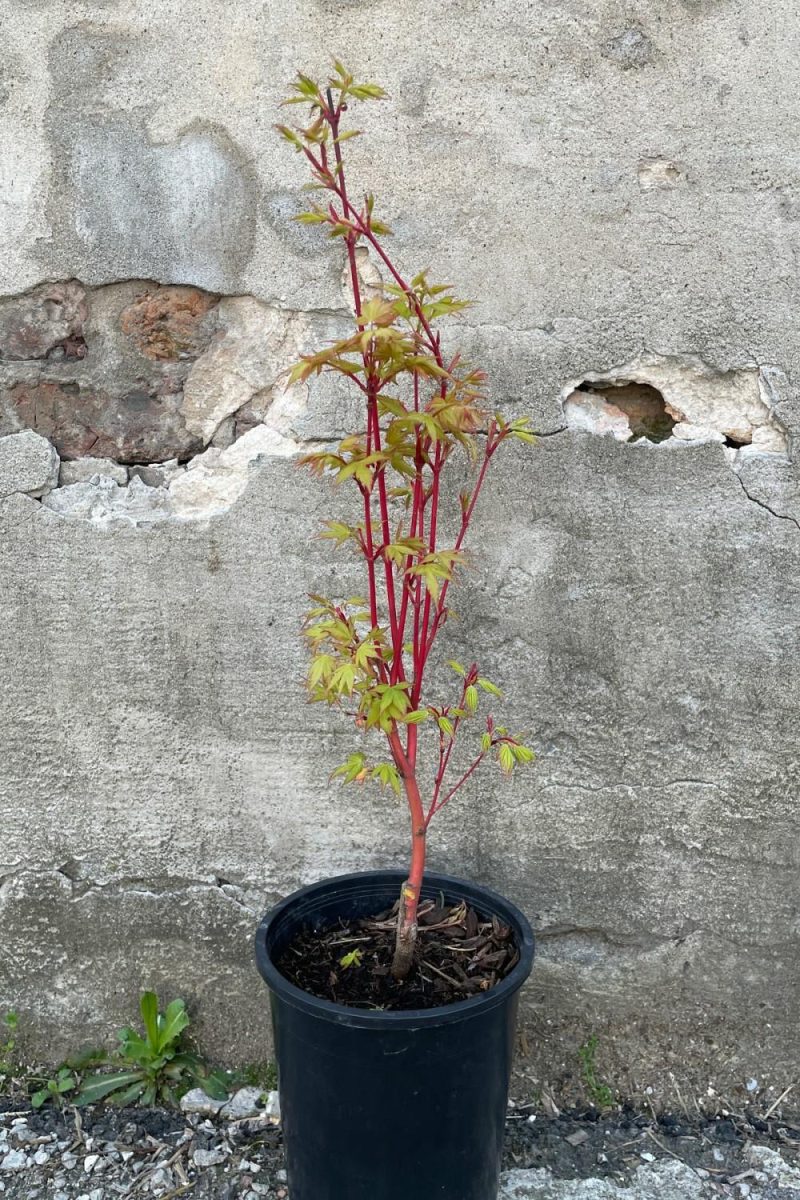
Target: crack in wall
{"x": 621, "y": 785}
{"x": 762, "y": 504}
{"x": 155, "y": 887}
{"x": 597, "y": 935}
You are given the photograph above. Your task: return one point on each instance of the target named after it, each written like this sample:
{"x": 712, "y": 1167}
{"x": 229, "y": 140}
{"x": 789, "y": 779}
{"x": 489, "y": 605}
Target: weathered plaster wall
{"x": 621, "y": 189}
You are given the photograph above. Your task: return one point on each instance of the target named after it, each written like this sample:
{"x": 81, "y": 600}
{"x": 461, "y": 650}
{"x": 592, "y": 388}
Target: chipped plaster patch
{"x": 215, "y": 480}
{"x": 659, "y": 173}
{"x": 735, "y": 408}
{"x": 259, "y": 344}
{"x": 211, "y": 483}
{"x": 221, "y": 366}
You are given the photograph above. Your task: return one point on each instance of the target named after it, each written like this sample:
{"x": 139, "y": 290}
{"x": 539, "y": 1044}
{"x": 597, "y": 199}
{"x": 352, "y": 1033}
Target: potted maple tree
{"x": 394, "y": 993}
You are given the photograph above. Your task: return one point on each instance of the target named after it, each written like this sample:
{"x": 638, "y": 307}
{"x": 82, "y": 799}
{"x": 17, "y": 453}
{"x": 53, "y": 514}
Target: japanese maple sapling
{"x": 370, "y": 655}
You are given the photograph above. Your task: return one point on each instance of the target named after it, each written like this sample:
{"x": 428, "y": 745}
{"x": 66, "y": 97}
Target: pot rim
{"x": 444, "y": 1014}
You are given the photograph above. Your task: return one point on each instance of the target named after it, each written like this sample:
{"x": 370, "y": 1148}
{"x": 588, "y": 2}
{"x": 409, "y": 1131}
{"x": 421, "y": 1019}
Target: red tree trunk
{"x": 409, "y": 893}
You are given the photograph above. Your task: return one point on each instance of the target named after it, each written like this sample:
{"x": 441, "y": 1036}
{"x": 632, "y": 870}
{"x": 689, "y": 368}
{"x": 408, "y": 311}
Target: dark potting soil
{"x": 459, "y": 954}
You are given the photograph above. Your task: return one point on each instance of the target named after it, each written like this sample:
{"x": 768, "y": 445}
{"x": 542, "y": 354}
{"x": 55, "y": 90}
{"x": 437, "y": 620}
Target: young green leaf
{"x": 416, "y": 717}
{"x": 506, "y": 757}
{"x": 148, "y": 1006}
{"x": 351, "y": 770}
{"x": 312, "y": 218}
{"x": 175, "y": 1020}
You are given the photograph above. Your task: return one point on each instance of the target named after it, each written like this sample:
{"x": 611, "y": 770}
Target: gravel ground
{"x": 103, "y": 1153}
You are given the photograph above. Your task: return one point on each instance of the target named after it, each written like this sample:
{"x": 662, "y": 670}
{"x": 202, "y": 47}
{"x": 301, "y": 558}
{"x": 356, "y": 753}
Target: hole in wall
{"x": 681, "y": 400}
{"x": 643, "y": 405}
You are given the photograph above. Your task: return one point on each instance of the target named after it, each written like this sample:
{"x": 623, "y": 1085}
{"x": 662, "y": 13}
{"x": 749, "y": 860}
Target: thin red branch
{"x": 373, "y": 386}
{"x": 444, "y": 760}
{"x": 466, "y": 517}
{"x": 425, "y": 508}
{"x": 440, "y": 805}
{"x": 425, "y": 643}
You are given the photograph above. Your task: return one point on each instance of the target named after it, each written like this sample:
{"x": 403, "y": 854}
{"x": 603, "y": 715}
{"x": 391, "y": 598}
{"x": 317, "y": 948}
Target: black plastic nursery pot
{"x": 390, "y": 1105}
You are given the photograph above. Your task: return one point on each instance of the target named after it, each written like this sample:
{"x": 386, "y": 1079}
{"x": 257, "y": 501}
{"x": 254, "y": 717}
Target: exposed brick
{"x": 46, "y": 323}
{"x": 170, "y": 323}
{"x": 137, "y": 427}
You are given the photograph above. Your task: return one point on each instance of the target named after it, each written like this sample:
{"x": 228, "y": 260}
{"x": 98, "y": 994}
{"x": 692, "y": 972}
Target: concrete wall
{"x": 620, "y": 187}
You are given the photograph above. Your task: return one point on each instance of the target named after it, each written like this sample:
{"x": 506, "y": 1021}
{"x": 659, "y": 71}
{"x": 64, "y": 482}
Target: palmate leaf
{"x": 506, "y": 757}
{"x": 320, "y": 669}
{"x": 391, "y": 404}
{"x": 396, "y": 552}
{"x": 338, "y": 532}
{"x": 383, "y": 704}
{"x": 435, "y": 567}
{"x": 306, "y": 87}
{"x": 366, "y": 91}
{"x": 388, "y": 776}
{"x": 351, "y": 770}
{"x": 311, "y": 218}
{"x": 377, "y": 312}
{"x": 288, "y": 134}
{"x": 343, "y": 679}
{"x": 489, "y": 687}
{"x": 425, "y": 421}
{"x": 362, "y": 468}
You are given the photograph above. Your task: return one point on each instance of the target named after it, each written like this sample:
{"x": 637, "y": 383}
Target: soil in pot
{"x": 460, "y": 953}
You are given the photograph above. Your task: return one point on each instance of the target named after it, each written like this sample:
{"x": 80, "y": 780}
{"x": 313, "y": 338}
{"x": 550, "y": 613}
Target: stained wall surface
{"x": 619, "y": 187}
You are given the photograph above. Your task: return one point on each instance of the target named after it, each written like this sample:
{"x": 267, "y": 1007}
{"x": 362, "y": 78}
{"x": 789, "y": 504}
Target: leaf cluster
{"x": 509, "y": 749}
{"x": 146, "y": 1067}
{"x": 421, "y": 407}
